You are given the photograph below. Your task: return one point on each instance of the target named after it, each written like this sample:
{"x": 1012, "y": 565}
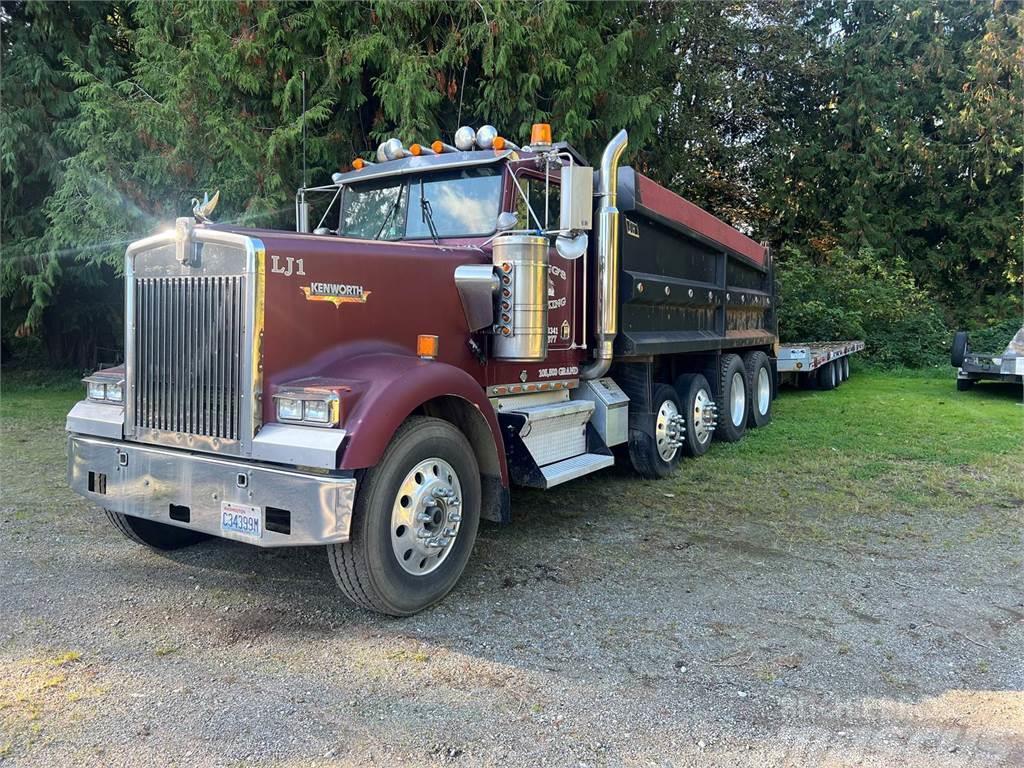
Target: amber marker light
{"x": 437, "y": 146}
{"x": 540, "y": 134}
{"x": 359, "y": 163}
{"x": 499, "y": 143}
{"x": 427, "y": 346}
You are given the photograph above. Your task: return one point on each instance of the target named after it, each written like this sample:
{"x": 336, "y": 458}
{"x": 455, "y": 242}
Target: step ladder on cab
{"x": 555, "y": 436}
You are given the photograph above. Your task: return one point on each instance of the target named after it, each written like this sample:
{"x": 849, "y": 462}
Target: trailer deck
{"x": 809, "y": 356}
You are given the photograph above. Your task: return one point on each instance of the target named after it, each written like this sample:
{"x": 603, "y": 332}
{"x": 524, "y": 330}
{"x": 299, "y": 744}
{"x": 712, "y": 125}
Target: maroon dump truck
{"x": 462, "y": 319}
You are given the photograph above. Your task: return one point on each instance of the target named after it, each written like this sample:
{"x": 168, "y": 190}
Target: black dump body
{"x": 687, "y": 281}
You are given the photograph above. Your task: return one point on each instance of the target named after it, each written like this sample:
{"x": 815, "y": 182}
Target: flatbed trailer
{"x": 824, "y": 365}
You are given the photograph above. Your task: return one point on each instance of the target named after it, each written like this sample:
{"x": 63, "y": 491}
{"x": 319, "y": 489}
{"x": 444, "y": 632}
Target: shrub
{"x": 860, "y": 296}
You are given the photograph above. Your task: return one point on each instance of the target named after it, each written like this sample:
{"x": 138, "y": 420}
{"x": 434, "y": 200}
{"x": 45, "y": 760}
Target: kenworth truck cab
{"x": 460, "y": 320}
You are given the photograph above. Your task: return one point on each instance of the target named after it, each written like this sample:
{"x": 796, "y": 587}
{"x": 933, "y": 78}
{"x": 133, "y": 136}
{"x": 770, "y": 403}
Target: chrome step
{"x": 569, "y": 469}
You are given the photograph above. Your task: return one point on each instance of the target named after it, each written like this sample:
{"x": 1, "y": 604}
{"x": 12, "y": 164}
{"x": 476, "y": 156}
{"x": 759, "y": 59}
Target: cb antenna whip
{"x": 303, "y": 128}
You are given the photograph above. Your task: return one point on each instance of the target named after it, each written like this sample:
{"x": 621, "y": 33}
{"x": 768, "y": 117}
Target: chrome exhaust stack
{"x": 607, "y": 293}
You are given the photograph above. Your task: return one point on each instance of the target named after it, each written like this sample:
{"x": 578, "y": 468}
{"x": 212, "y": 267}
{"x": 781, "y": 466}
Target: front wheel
{"x": 414, "y": 522}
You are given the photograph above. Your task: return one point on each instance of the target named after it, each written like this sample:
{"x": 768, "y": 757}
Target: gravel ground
{"x": 613, "y": 623}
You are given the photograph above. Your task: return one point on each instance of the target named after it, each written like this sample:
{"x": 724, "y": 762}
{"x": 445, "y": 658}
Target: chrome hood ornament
{"x": 203, "y": 210}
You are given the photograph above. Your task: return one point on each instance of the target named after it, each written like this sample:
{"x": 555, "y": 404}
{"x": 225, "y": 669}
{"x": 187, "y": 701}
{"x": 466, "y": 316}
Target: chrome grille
{"x": 189, "y": 346}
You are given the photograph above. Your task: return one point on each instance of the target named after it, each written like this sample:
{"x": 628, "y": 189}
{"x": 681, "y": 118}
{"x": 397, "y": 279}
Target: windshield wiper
{"x": 427, "y": 213}
{"x": 390, "y": 213}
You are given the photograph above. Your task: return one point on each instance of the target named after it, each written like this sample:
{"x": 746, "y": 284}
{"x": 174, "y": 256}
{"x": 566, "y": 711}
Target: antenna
{"x": 303, "y": 128}
{"x": 301, "y": 206}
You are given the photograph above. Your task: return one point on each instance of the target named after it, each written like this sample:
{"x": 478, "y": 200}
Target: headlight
{"x": 289, "y": 409}
{"x": 317, "y": 410}
{"x": 314, "y": 407}
{"x": 104, "y": 389}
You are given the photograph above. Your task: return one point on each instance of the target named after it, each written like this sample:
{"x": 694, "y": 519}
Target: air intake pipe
{"x": 606, "y": 298}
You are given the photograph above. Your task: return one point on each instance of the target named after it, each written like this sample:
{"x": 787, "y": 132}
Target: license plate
{"x": 241, "y": 519}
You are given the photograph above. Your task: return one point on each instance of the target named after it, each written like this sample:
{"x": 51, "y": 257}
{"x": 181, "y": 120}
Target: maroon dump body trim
{"x": 669, "y": 205}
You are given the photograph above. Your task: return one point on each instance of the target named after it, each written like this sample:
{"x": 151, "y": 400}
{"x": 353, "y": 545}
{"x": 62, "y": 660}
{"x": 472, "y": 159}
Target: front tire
{"x": 732, "y": 399}
{"x": 656, "y": 455}
{"x": 150, "y": 533}
{"x": 414, "y": 522}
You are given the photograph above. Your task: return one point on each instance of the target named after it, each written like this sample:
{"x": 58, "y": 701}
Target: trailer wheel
{"x": 732, "y": 399}
{"x": 845, "y": 362}
{"x": 657, "y": 454}
{"x": 827, "y": 375}
{"x": 759, "y": 385}
{"x": 961, "y": 346}
{"x": 152, "y": 534}
{"x": 699, "y": 410}
{"x": 962, "y": 385}
{"x": 414, "y": 521}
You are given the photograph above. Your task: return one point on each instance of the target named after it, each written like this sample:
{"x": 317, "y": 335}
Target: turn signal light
{"x": 427, "y": 346}
{"x": 540, "y": 134}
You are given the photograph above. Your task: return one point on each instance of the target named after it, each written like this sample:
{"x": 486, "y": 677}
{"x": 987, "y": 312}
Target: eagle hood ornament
{"x": 203, "y": 210}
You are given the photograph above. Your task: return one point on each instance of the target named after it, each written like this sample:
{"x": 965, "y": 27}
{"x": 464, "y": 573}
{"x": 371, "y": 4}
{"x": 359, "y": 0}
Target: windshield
{"x": 463, "y": 203}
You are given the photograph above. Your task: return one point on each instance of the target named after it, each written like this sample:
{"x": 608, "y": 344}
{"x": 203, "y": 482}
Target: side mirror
{"x": 577, "y": 198}
{"x": 507, "y": 220}
{"x": 571, "y": 248}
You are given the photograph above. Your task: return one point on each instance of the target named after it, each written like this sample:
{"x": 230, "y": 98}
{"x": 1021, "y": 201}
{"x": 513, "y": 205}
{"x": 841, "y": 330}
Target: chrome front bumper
{"x": 300, "y": 508}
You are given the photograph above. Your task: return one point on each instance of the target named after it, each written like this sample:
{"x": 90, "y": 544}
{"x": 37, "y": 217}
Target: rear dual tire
{"x": 827, "y": 377}
{"x": 759, "y": 386}
{"x": 655, "y": 453}
{"x": 733, "y": 400}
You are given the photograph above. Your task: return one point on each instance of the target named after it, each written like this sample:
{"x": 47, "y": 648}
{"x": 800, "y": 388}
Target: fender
{"x": 387, "y": 387}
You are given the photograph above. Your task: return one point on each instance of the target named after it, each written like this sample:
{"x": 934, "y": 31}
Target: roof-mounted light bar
{"x": 466, "y": 139}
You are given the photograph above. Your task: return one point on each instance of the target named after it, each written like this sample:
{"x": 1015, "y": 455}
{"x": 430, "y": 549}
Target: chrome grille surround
{"x": 194, "y": 319}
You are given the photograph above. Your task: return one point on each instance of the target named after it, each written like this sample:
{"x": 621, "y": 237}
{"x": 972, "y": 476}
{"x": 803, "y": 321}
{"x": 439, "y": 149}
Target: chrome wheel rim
{"x": 737, "y": 399}
{"x": 703, "y": 416}
{"x": 764, "y": 391}
{"x": 668, "y": 430}
{"x": 426, "y": 516}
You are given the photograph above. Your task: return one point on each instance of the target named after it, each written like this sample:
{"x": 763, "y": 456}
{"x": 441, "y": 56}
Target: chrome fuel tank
{"x": 521, "y": 331}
